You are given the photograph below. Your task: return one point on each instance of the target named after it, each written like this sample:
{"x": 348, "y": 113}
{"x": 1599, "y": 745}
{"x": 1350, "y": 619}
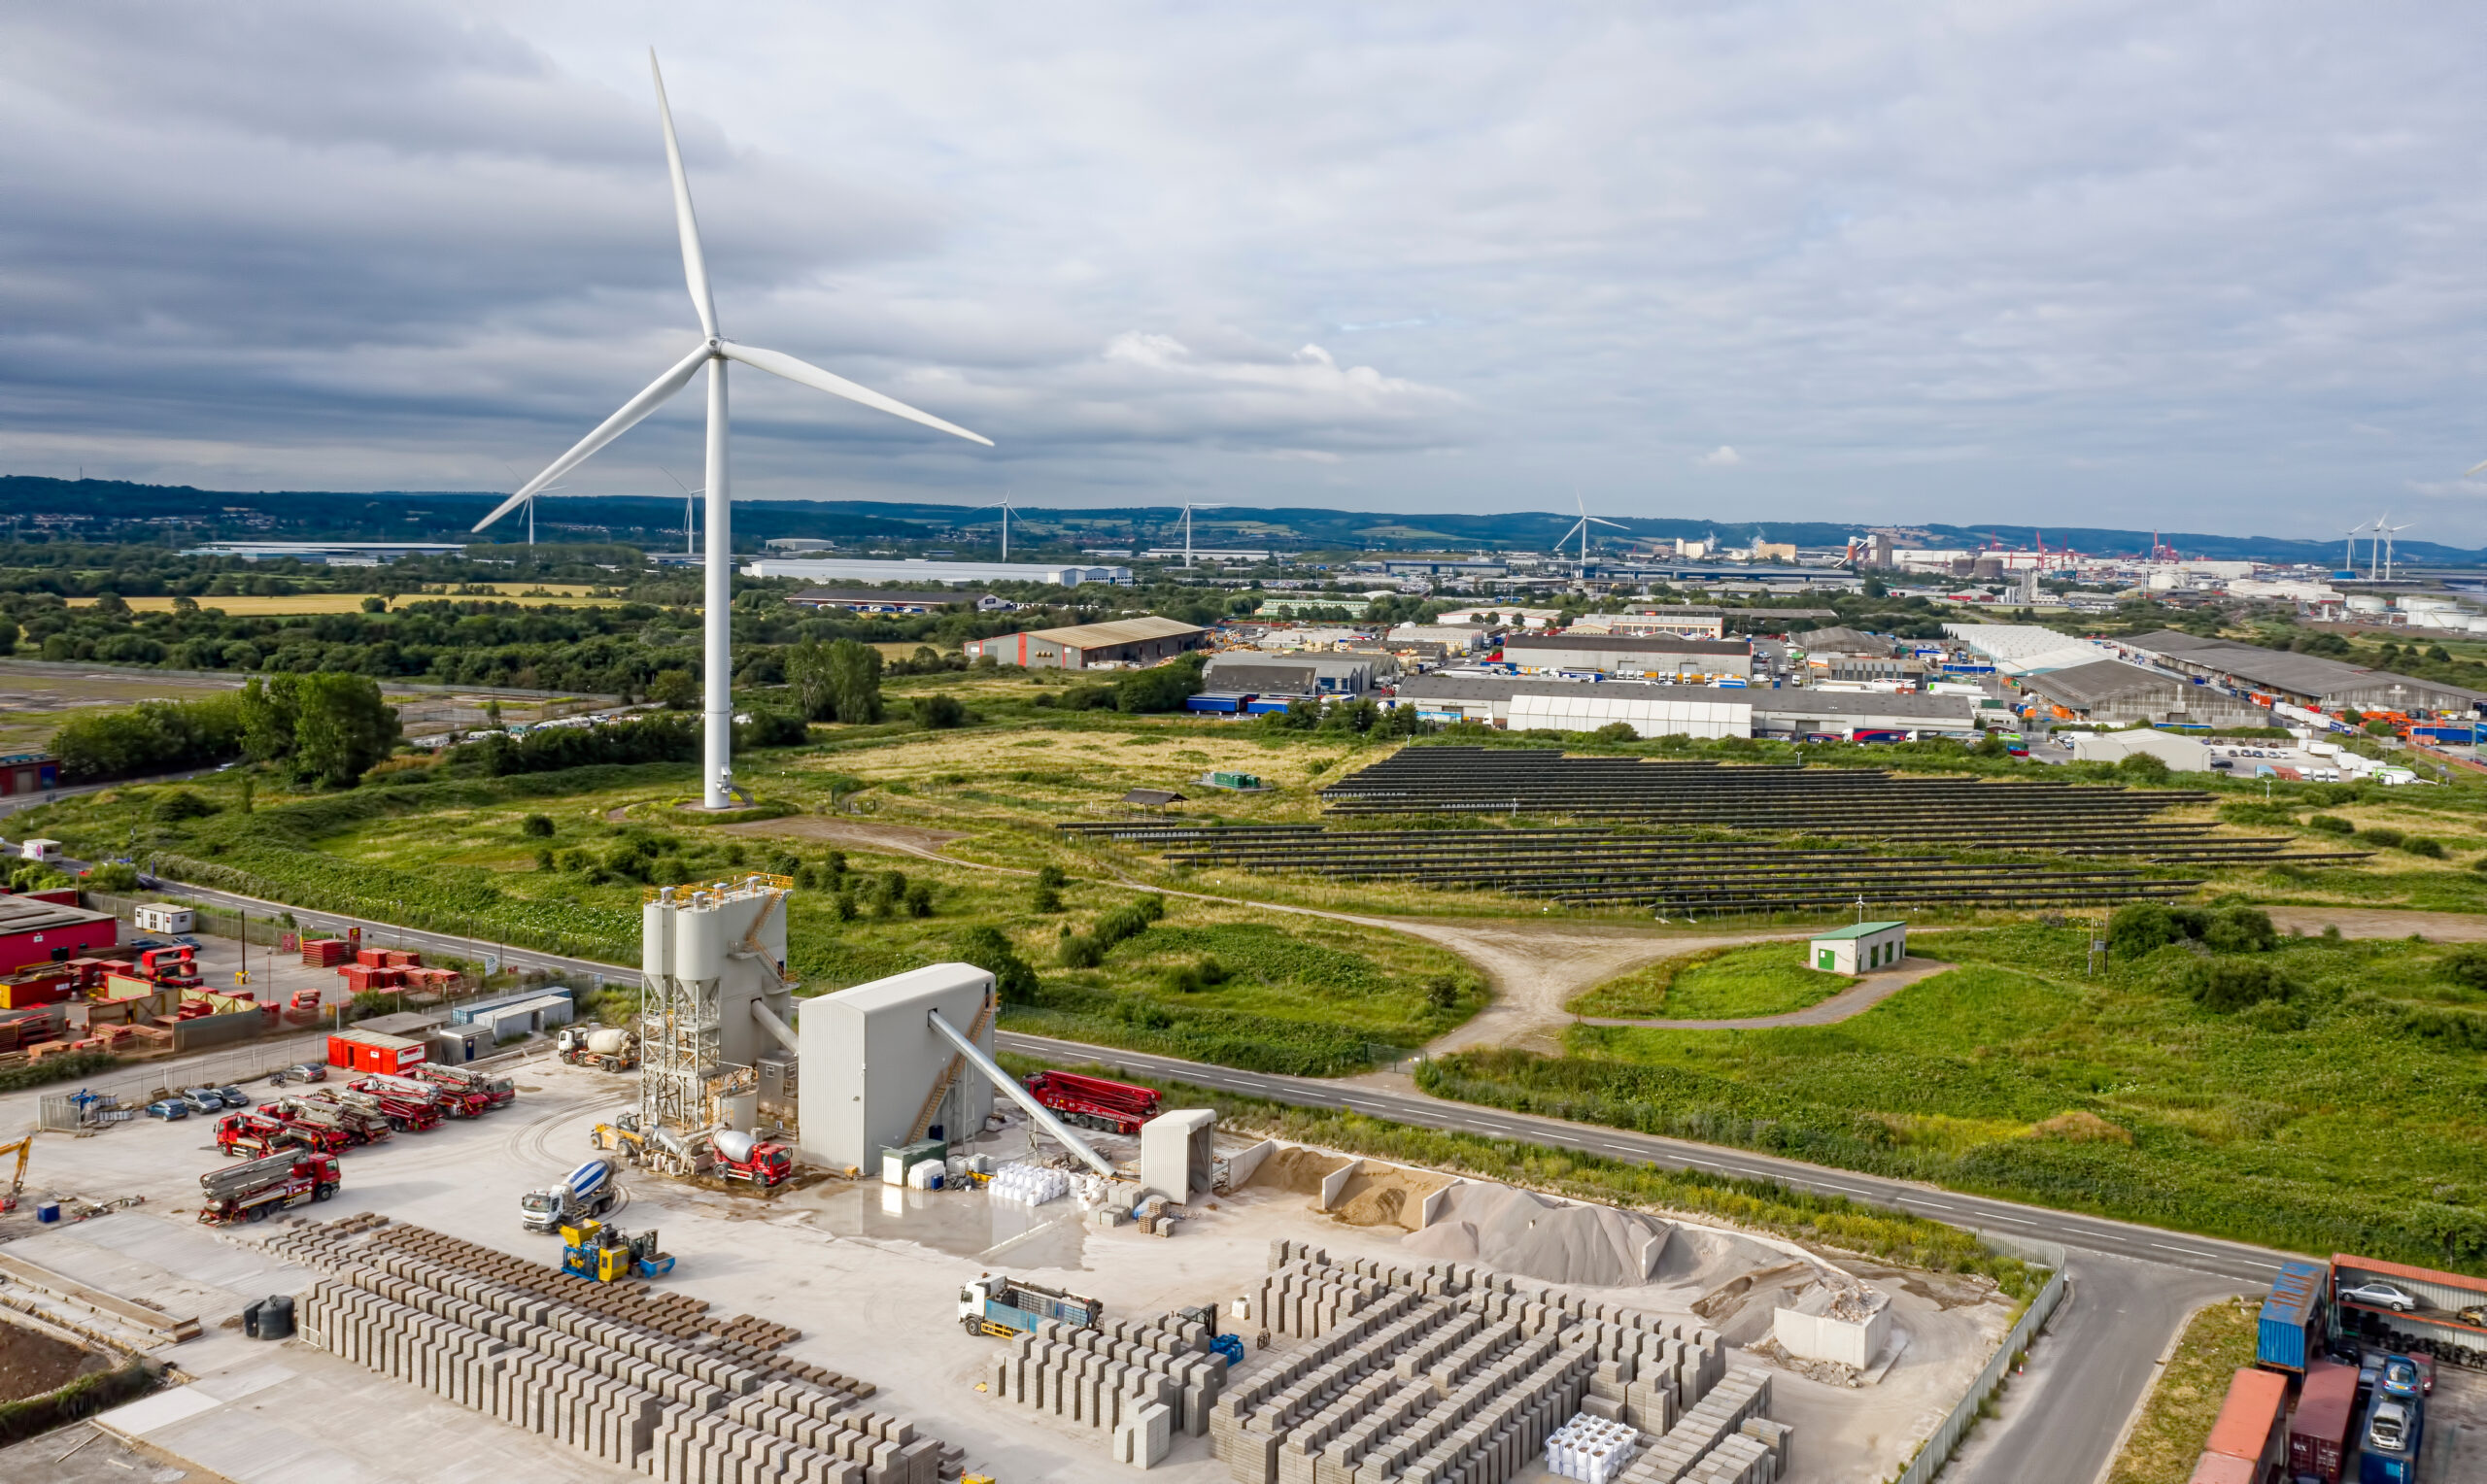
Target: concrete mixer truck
{"x": 589, "y": 1190}
{"x": 602, "y": 1046}
{"x": 744, "y": 1155}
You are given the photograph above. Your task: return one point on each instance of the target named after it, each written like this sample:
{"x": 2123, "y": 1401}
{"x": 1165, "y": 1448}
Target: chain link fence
{"x": 134, "y": 1089}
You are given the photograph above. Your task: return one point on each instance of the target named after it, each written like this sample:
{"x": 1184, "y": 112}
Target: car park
{"x": 203, "y": 1100}
{"x": 234, "y": 1096}
{"x": 2380, "y": 1295}
{"x": 170, "y": 1109}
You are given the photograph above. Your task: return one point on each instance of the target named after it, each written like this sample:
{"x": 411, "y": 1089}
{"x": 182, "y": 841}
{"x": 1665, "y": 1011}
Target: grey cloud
{"x": 1942, "y": 261}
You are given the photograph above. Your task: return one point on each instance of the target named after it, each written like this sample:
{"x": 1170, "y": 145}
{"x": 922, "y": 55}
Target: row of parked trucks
{"x": 290, "y": 1143}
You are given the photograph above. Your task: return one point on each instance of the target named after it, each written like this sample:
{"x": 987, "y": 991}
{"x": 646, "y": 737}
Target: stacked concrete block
{"x": 627, "y": 1380}
{"x": 1739, "y": 1397}
{"x": 1737, "y": 1459}
{"x": 1143, "y": 1439}
{"x": 1448, "y": 1374}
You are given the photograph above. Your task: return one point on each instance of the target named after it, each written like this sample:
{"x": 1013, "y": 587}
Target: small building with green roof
{"x": 1860, "y": 950}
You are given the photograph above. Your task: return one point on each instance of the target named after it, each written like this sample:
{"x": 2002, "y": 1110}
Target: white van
{"x": 40, "y": 849}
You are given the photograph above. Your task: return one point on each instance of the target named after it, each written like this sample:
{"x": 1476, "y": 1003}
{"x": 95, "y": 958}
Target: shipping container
{"x": 2249, "y": 1420}
{"x": 368, "y": 1051}
{"x": 2389, "y": 1438}
{"x": 2319, "y": 1433}
{"x": 2295, "y": 1318}
{"x": 2220, "y": 1468}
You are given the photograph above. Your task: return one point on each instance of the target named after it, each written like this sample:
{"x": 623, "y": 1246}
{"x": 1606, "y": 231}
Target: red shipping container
{"x": 368, "y": 1051}
{"x": 2249, "y": 1420}
{"x": 2220, "y": 1468}
{"x": 2318, "y": 1436}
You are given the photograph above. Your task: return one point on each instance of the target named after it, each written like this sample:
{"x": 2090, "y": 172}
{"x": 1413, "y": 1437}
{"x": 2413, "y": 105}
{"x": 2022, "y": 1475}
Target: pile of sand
{"x": 1300, "y": 1171}
{"x": 1385, "y": 1196}
{"x": 1516, "y": 1231}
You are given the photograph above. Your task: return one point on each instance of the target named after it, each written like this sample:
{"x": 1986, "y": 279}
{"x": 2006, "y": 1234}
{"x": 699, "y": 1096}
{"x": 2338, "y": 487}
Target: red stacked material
{"x": 362, "y": 978}
{"x": 326, "y": 953}
{"x": 397, "y": 958}
{"x": 371, "y": 957}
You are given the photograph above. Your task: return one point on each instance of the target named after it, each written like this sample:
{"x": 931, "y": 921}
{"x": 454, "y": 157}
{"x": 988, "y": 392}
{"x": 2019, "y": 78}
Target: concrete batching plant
{"x": 716, "y": 1002}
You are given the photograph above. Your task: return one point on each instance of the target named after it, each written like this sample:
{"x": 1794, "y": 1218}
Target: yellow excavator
{"x": 17, "y": 1182}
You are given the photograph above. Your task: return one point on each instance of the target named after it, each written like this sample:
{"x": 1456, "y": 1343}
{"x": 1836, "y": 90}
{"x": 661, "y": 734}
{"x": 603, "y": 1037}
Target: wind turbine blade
{"x": 1617, "y": 525}
{"x": 610, "y": 428}
{"x": 2475, "y": 468}
{"x": 779, "y": 364}
{"x": 695, "y": 263}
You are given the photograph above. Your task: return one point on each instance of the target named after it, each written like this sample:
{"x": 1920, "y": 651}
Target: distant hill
{"x": 118, "y": 510}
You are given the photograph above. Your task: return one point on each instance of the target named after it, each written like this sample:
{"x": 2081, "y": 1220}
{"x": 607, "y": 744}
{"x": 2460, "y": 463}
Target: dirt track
{"x": 2382, "y": 923}
{"x": 899, "y": 840}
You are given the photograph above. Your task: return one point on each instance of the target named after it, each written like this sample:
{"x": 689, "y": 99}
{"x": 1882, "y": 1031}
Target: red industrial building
{"x": 22, "y": 773}
{"x": 33, "y": 930}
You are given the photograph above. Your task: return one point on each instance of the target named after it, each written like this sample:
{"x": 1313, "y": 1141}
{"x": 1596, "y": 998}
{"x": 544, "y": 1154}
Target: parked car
{"x": 234, "y": 1096}
{"x": 2476, "y": 1314}
{"x": 2400, "y": 1377}
{"x": 2380, "y": 1295}
{"x": 2425, "y": 1365}
{"x": 203, "y": 1100}
{"x": 308, "y": 1072}
{"x": 2389, "y": 1432}
{"x": 170, "y": 1110}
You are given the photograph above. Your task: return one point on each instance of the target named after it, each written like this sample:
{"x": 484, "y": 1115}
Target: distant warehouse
{"x": 2115, "y": 692}
{"x": 1628, "y": 654}
{"x": 2307, "y": 679}
{"x": 877, "y": 599}
{"x": 1141, "y": 641}
{"x": 1267, "y": 674}
{"x": 1520, "y": 703}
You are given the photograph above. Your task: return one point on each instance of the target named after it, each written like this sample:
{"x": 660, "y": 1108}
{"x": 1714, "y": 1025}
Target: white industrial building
{"x": 2026, "y": 649}
{"x": 1520, "y": 702}
{"x": 1626, "y": 654}
{"x": 823, "y": 569}
{"x": 1655, "y": 711}
{"x": 877, "y": 1076}
{"x": 2182, "y": 755}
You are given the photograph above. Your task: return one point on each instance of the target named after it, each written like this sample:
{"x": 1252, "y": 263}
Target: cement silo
{"x": 716, "y": 1002}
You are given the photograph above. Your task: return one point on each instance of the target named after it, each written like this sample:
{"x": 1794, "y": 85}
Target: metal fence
{"x": 1939, "y": 1448}
{"x": 60, "y": 1112}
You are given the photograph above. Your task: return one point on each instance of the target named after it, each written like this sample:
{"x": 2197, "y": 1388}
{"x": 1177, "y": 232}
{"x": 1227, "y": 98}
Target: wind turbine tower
{"x": 1188, "y": 507}
{"x": 711, "y": 355}
{"x": 1581, "y": 528}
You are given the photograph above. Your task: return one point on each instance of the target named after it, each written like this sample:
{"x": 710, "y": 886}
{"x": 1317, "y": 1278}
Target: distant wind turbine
{"x": 1582, "y": 529}
{"x": 2349, "y": 553}
{"x": 1188, "y": 507}
{"x": 713, "y": 352}
{"x": 688, "y": 496}
{"x": 2388, "y": 532}
{"x": 1002, "y": 505}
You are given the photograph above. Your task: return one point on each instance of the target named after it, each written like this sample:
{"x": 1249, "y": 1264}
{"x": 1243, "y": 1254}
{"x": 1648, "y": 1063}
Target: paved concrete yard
{"x": 869, "y": 1274}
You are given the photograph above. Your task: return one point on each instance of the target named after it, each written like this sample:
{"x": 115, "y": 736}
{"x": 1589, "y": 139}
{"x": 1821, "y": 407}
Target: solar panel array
{"x": 1655, "y": 852}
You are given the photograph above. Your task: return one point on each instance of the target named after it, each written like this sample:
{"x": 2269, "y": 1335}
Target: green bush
{"x": 2143, "y": 768}
{"x": 113, "y": 876}
{"x": 2330, "y": 824}
{"x": 1128, "y": 920}
{"x": 940, "y": 713}
{"x": 988, "y": 950}
{"x": 552, "y": 749}
{"x": 183, "y": 804}
{"x": 150, "y": 737}
{"x": 2229, "y": 984}
{"x": 2421, "y": 845}
{"x": 2466, "y": 966}
{"x": 2382, "y": 835}
{"x": 2140, "y": 928}
{"x": 536, "y": 827}
{"x": 2241, "y": 930}
{"x": 1079, "y": 951}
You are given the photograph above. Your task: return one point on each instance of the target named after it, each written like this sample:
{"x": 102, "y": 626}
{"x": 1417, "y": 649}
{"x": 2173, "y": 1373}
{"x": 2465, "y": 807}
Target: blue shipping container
{"x": 2293, "y": 1322}
{"x": 2390, "y": 1466}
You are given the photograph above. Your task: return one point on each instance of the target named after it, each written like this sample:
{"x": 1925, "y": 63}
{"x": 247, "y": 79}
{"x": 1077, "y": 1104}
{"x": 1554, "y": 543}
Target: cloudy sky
{"x": 2206, "y": 266}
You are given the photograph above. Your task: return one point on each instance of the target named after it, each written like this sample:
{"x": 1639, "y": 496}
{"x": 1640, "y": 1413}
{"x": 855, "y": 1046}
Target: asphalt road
{"x": 2129, "y": 1285}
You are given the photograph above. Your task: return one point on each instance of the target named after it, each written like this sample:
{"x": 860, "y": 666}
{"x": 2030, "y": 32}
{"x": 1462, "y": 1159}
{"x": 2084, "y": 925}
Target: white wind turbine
{"x": 2386, "y": 533}
{"x": 1002, "y": 505}
{"x": 2349, "y": 553}
{"x": 1188, "y": 507}
{"x": 713, "y": 353}
{"x": 690, "y": 498}
{"x": 1582, "y": 529}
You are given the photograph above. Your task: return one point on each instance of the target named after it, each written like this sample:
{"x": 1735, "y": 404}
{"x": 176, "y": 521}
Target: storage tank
{"x": 2366, "y": 602}
{"x": 698, "y": 941}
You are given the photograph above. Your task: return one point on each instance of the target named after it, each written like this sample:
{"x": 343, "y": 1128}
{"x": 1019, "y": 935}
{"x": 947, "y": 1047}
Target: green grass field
{"x": 2349, "y": 1116}
{"x": 1720, "y": 984}
{"x": 1296, "y": 995}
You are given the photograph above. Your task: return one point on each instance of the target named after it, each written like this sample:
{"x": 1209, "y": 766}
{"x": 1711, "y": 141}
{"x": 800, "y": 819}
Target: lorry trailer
{"x": 589, "y": 1190}
{"x": 2389, "y": 1443}
{"x": 1093, "y": 1103}
{"x": 2319, "y": 1433}
{"x": 1002, "y": 1307}
{"x": 250, "y": 1191}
